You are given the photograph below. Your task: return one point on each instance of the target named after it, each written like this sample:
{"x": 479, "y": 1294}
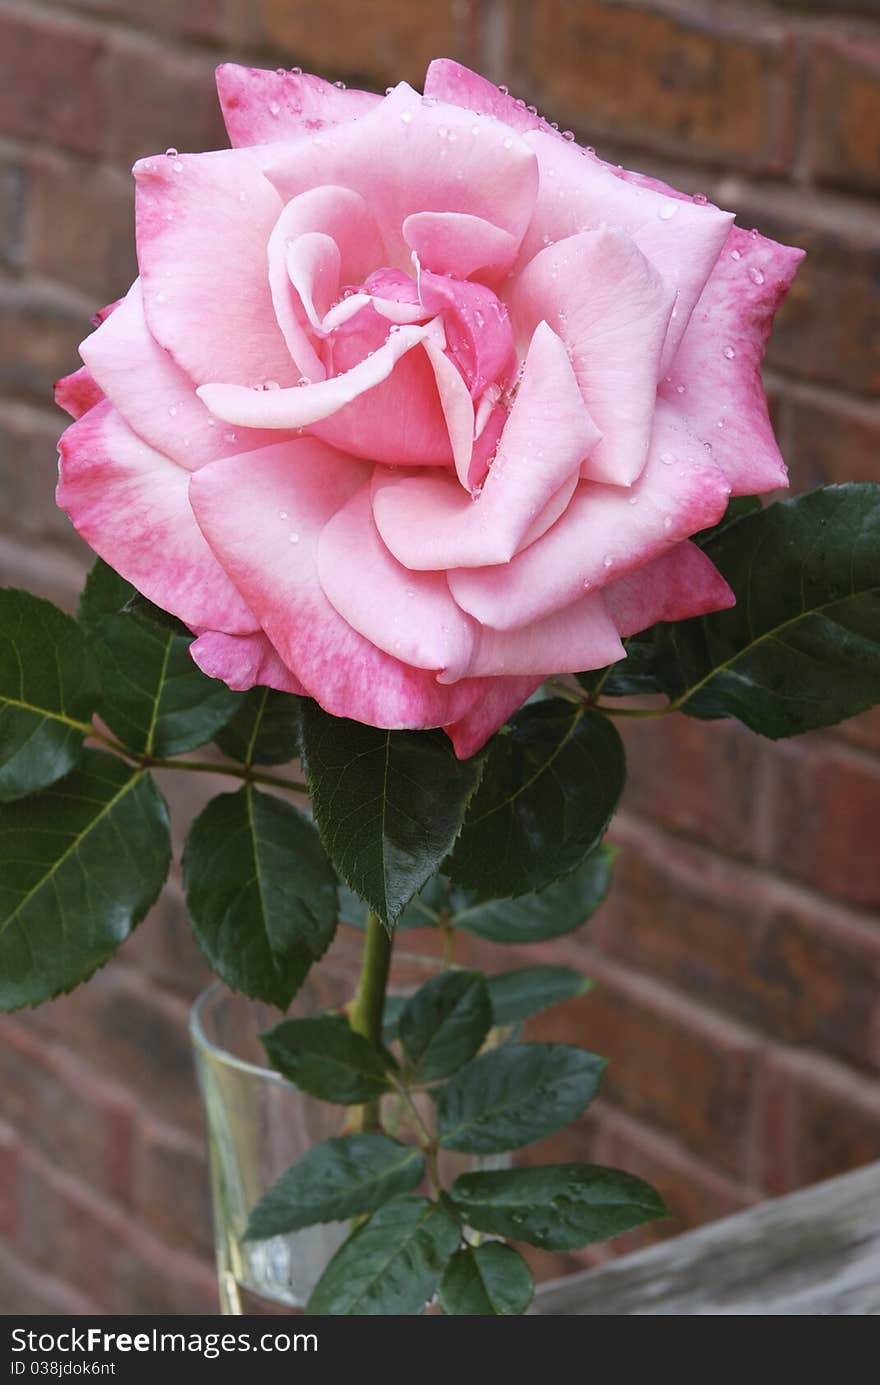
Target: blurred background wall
{"x": 737, "y": 961}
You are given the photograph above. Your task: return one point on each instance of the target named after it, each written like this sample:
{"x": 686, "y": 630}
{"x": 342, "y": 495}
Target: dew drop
{"x": 411, "y": 595}
{"x": 587, "y": 584}
{"x": 160, "y": 298}
{"x": 280, "y": 72}
{"x": 282, "y": 514}
{"x": 700, "y": 198}
{"x": 294, "y": 538}
{"x": 756, "y": 275}
{"x": 667, "y": 458}
{"x": 406, "y": 117}
{"x": 568, "y": 134}
{"x": 177, "y": 166}
{"x": 667, "y": 523}
{"x": 304, "y": 380}
{"x": 633, "y": 500}
{"x": 505, "y": 91}
{"x": 729, "y": 353}
{"x": 551, "y": 172}
{"x": 667, "y": 211}
{"x": 736, "y": 254}
{"x": 340, "y": 86}
{"x": 554, "y": 124}
{"x": 532, "y": 110}
{"x": 297, "y": 71}
{"x": 508, "y": 144}
{"x": 607, "y": 561}
{"x": 520, "y": 104}
{"x": 274, "y": 108}
{"x": 229, "y": 437}
{"x": 173, "y": 411}
{"x": 680, "y": 389}
{"x": 171, "y": 152}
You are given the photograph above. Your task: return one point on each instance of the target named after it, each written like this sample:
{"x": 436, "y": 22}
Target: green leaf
{"x": 339, "y": 1178}
{"x": 515, "y": 1094}
{"x": 556, "y": 1206}
{"x": 548, "y": 792}
{"x": 260, "y": 892}
{"x": 557, "y": 909}
{"x": 489, "y": 1280}
{"x": 325, "y": 1057}
{"x": 388, "y": 804}
{"x": 153, "y": 697}
{"x": 47, "y": 691}
{"x": 80, "y": 865}
{"x": 423, "y": 911}
{"x": 391, "y": 1265}
{"x": 265, "y": 730}
{"x": 801, "y": 648}
{"x": 517, "y": 994}
{"x": 443, "y": 1025}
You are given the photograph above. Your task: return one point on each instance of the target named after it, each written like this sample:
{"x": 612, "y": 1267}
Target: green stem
{"x": 228, "y": 768}
{"x": 635, "y": 711}
{"x": 368, "y": 1007}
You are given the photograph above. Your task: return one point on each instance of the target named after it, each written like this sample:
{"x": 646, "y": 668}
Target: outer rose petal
{"x": 682, "y": 239}
{"x": 78, "y": 392}
{"x": 611, "y": 308}
{"x": 290, "y": 492}
{"x": 410, "y": 615}
{"x": 719, "y": 361}
{"x": 429, "y": 522}
{"x": 154, "y": 396}
{"x": 447, "y": 80}
{"x": 502, "y": 697}
{"x": 203, "y": 224}
{"x": 243, "y": 661}
{"x": 130, "y": 505}
{"x": 404, "y": 157}
{"x": 677, "y": 585}
{"x": 580, "y": 636}
{"x": 605, "y": 533}
{"x": 260, "y": 107}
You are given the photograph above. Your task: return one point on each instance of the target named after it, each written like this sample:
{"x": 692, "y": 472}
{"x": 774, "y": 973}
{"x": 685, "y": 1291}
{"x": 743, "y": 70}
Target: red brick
{"x": 51, "y": 89}
{"x": 25, "y": 1291}
{"x": 770, "y": 956}
{"x": 672, "y": 1064}
{"x": 12, "y": 215}
{"x": 696, "y": 777}
{"x": 81, "y": 227}
{"x": 9, "y": 1183}
{"x": 845, "y": 113}
{"x": 56, "y": 575}
{"x": 136, "y": 1036}
{"x": 75, "y": 1118}
{"x": 862, "y": 731}
{"x": 830, "y": 440}
{"x": 171, "y": 1174}
{"x": 384, "y": 42}
{"x": 705, "y": 86}
{"x": 826, "y": 811}
{"x": 28, "y": 476}
{"x": 40, "y": 331}
{"x": 818, "y": 1121}
{"x": 165, "y": 950}
{"x": 176, "y": 103}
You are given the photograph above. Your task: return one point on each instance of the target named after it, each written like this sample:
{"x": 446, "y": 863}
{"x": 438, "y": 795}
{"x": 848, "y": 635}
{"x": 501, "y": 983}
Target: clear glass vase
{"x": 259, "y": 1124}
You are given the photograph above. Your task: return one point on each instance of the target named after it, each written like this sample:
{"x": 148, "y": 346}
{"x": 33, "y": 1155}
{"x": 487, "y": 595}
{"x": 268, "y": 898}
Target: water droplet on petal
{"x": 406, "y": 117}
{"x": 411, "y": 594}
{"x": 700, "y": 198}
{"x": 171, "y": 152}
{"x": 568, "y": 134}
{"x": 173, "y": 411}
{"x": 160, "y": 298}
{"x": 340, "y": 86}
{"x": 280, "y": 72}
{"x": 756, "y": 275}
{"x": 667, "y": 458}
{"x": 554, "y": 124}
{"x": 680, "y": 389}
{"x": 667, "y": 211}
{"x": 297, "y": 71}
{"x": 736, "y": 254}
{"x": 607, "y": 561}
{"x": 304, "y": 380}
{"x": 729, "y": 353}
{"x": 508, "y": 144}
{"x": 667, "y": 523}
{"x": 633, "y": 500}
{"x": 294, "y": 538}
{"x": 505, "y": 91}
{"x": 282, "y": 514}
{"x": 229, "y": 437}
{"x": 532, "y": 110}
{"x": 754, "y": 233}
{"x": 274, "y": 108}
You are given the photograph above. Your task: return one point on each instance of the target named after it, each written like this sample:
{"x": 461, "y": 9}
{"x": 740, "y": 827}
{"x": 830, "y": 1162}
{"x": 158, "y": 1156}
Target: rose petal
{"x": 611, "y": 308}
{"x": 154, "y": 396}
{"x": 243, "y": 661}
{"x": 405, "y": 156}
{"x": 676, "y": 586}
{"x": 130, "y": 505}
{"x": 580, "y": 636}
{"x": 719, "y": 361}
{"x": 203, "y": 223}
{"x": 459, "y": 244}
{"x": 430, "y": 523}
{"x": 447, "y": 80}
{"x": 260, "y": 107}
{"x": 411, "y": 615}
{"x": 292, "y": 491}
{"x": 605, "y": 533}
{"x": 578, "y": 192}
{"x": 78, "y": 392}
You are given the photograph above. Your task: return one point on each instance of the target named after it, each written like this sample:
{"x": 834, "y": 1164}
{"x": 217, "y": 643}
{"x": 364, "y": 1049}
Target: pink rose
{"x": 416, "y": 402}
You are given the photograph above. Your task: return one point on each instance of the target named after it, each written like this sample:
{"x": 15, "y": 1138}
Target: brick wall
{"x": 738, "y": 957}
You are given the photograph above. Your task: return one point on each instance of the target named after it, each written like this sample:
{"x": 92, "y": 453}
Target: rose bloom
{"x": 416, "y": 402}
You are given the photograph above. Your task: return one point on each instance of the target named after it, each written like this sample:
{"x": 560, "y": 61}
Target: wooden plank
{"x": 814, "y": 1252}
